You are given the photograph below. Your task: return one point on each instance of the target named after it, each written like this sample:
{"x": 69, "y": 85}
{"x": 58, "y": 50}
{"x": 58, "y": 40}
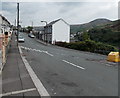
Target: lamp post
{"x": 45, "y": 22}
{"x": 44, "y": 30}
{"x": 17, "y": 22}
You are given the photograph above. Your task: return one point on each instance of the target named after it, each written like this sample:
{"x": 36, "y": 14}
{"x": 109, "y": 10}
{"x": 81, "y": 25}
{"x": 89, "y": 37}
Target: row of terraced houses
{"x": 4, "y": 27}
{"x": 55, "y": 31}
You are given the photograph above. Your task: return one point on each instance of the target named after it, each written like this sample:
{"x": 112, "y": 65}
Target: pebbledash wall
{"x": 0, "y": 32}
{"x": 4, "y": 27}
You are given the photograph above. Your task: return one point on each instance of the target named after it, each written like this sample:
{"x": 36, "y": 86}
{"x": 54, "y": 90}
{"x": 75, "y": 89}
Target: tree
{"x": 29, "y": 28}
{"x": 85, "y": 36}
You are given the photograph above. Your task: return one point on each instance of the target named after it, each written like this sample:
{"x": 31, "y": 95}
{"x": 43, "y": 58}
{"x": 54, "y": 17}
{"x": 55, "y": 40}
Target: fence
{"x": 4, "y": 50}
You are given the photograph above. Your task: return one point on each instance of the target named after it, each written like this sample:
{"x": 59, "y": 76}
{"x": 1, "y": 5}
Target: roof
{"x": 39, "y": 28}
{"x": 53, "y": 22}
{"x": 4, "y": 19}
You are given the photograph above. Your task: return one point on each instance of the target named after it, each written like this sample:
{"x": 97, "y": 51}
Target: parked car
{"x": 31, "y": 35}
{"x": 21, "y": 39}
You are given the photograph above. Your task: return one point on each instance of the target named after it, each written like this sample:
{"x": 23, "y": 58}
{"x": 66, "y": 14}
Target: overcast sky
{"x": 71, "y": 12}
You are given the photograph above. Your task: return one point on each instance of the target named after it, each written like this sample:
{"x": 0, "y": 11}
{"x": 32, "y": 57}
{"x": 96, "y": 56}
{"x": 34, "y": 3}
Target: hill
{"x": 86, "y": 26}
{"x": 109, "y": 33}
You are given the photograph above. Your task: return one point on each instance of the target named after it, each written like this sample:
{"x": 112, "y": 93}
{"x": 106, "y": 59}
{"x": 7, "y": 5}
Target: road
{"x": 67, "y": 72}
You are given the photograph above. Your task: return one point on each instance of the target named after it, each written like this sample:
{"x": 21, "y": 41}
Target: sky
{"x": 72, "y": 12}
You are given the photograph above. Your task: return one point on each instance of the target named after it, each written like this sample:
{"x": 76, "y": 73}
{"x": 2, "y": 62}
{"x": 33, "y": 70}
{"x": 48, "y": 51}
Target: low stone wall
{"x": 0, "y": 60}
{"x": 4, "y": 47}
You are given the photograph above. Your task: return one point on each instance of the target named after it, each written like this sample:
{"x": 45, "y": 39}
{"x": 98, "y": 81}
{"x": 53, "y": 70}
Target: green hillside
{"x": 86, "y": 26}
{"x": 99, "y": 30}
{"x": 109, "y": 33}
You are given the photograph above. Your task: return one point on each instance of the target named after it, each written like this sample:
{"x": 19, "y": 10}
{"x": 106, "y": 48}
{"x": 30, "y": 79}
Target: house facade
{"x": 39, "y": 32}
{"x": 4, "y": 25}
{"x": 55, "y": 31}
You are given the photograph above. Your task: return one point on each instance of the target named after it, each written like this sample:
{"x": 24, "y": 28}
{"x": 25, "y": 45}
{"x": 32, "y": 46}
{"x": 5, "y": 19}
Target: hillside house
{"x": 55, "y": 31}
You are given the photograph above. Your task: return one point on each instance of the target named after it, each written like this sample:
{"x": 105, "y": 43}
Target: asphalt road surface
{"x": 67, "y": 72}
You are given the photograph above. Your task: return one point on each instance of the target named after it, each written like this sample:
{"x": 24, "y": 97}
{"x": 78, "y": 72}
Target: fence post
{"x": 3, "y": 51}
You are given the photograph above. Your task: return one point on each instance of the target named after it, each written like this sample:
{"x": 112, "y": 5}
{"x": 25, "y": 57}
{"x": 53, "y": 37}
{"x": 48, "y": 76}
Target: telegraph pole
{"x": 32, "y": 23}
{"x": 32, "y": 26}
{"x": 17, "y": 22}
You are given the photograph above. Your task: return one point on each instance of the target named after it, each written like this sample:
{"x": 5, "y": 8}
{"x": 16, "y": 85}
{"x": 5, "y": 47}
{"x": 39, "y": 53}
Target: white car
{"x": 21, "y": 39}
{"x": 31, "y": 35}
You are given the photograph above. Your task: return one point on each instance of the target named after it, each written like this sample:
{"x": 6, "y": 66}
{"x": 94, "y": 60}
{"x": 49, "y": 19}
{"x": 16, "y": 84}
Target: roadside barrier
{"x": 113, "y": 57}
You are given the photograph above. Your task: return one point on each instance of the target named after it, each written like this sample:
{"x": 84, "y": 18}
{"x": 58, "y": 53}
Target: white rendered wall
{"x": 60, "y": 32}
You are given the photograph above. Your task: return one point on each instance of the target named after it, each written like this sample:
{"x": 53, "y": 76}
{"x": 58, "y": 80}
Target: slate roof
{"x": 4, "y": 19}
{"x": 53, "y": 22}
{"x": 38, "y": 28}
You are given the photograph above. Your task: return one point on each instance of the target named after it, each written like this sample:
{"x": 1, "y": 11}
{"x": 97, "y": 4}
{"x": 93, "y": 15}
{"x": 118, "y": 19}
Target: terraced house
{"x": 55, "y": 31}
{"x": 4, "y": 27}
{"x": 4, "y": 24}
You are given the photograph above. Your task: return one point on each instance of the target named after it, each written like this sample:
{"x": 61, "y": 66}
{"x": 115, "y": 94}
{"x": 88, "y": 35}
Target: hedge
{"x": 89, "y": 45}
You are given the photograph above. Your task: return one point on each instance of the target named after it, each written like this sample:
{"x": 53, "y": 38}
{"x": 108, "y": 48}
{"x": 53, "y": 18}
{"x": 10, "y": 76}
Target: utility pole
{"x": 32, "y": 26}
{"x": 32, "y": 23}
{"x": 17, "y": 22}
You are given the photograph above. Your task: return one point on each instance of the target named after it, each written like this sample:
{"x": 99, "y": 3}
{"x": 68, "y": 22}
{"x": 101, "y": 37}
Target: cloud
{"x": 0, "y": 7}
{"x": 72, "y": 12}
{"x": 10, "y": 7}
{"x": 60, "y": 0}
{"x": 9, "y": 11}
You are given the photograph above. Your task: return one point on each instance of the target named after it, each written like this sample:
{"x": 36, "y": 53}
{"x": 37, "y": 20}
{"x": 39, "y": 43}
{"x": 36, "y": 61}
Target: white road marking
{"x": 112, "y": 63}
{"x": 44, "y": 51}
{"x": 41, "y": 89}
{"x": 18, "y": 92}
{"x": 73, "y": 64}
{"x": 48, "y": 53}
{"x": 108, "y": 65}
{"x": 37, "y": 50}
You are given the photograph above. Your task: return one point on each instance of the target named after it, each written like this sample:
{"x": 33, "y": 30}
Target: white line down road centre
{"x": 73, "y": 64}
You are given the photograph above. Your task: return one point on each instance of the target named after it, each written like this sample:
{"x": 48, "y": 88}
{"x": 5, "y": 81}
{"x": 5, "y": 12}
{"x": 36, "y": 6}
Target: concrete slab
{"x": 14, "y": 75}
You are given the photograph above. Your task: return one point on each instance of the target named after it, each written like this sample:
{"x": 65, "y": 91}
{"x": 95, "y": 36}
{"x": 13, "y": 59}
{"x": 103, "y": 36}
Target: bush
{"x": 89, "y": 45}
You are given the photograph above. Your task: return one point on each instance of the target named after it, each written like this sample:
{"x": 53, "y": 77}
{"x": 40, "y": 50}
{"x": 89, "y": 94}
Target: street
{"x": 67, "y": 72}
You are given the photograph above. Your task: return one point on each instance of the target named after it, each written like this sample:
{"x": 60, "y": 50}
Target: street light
{"x": 44, "y": 30}
{"x": 45, "y": 22}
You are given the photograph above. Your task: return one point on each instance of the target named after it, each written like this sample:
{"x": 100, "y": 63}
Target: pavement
{"x": 16, "y": 80}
